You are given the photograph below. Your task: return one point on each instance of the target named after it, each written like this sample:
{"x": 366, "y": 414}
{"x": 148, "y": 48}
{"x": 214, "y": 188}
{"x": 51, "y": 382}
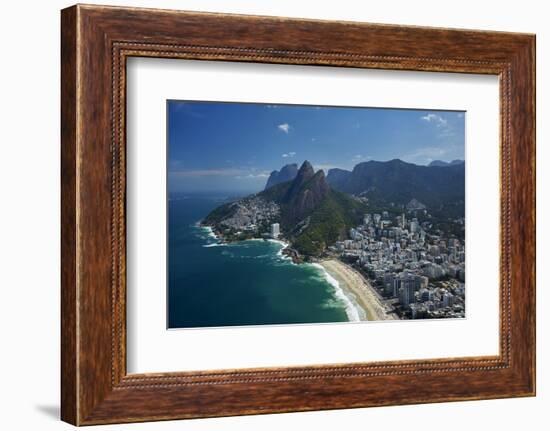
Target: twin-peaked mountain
{"x": 312, "y": 216}
{"x": 300, "y": 196}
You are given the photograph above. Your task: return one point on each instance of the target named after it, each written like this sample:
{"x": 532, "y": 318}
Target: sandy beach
{"x": 352, "y": 281}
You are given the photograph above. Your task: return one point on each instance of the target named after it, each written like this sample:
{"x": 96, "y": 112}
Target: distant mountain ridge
{"x": 398, "y": 182}
{"x": 287, "y": 173}
{"x": 443, "y": 164}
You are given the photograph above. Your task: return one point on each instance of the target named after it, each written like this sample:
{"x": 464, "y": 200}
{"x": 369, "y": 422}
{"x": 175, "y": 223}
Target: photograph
{"x": 298, "y": 214}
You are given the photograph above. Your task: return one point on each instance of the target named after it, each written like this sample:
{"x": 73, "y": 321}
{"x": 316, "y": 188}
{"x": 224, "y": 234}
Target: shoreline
{"x": 352, "y": 282}
{"x": 355, "y": 311}
{"x": 360, "y": 300}
{"x": 286, "y": 250}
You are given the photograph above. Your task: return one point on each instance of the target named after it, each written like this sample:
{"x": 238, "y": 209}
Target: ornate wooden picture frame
{"x": 96, "y": 41}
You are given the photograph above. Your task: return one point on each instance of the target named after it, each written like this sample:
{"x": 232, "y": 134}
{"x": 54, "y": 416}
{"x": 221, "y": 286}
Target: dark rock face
{"x": 399, "y": 182}
{"x": 305, "y": 173}
{"x": 287, "y": 173}
{"x": 306, "y": 192}
{"x": 337, "y": 177}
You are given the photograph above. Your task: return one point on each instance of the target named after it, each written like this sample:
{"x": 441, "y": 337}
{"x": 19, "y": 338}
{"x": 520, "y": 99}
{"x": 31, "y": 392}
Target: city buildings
{"x": 275, "y": 232}
{"x": 417, "y": 267}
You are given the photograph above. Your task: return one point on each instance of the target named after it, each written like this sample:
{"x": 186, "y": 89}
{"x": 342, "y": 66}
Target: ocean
{"x": 244, "y": 283}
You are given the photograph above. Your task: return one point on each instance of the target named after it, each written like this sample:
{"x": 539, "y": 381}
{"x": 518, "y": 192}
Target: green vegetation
{"x": 328, "y": 223}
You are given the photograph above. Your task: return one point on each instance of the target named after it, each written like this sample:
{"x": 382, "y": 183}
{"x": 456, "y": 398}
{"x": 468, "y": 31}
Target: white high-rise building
{"x": 275, "y": 232}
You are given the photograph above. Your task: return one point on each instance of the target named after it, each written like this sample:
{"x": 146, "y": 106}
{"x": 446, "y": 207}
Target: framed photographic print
{"x": 268, "y": 215}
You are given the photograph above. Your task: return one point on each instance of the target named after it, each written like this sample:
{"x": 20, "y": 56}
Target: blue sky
{"x": 217, "y": 146}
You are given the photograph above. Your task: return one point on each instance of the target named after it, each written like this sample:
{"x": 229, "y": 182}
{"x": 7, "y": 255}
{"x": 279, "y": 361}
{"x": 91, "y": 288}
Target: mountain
{"x": 287, "y": 173}
{"x": 399, "y": 182}
{"x": 312, "y": 216}
{"x": 442, "y": 164}
{"x": 439, "y": 163}
{"x": 337, "y": 177}
{"x": 305, "y": 193}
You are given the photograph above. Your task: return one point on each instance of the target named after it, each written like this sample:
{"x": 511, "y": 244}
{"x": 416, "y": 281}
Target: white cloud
{"x": 289, "y": 154}
{"x": 252, "y": 176}
{"x": 359, "y": 157}
{"x": 445, "y": 129}
{"x": 438, "y": 120}
{"x": 285, "y": 127}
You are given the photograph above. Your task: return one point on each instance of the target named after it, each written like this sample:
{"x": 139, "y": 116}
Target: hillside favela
{"x": 369, "y": 241}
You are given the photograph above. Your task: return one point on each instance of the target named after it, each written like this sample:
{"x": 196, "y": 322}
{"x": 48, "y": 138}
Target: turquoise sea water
{"x": 245, "y": 283}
